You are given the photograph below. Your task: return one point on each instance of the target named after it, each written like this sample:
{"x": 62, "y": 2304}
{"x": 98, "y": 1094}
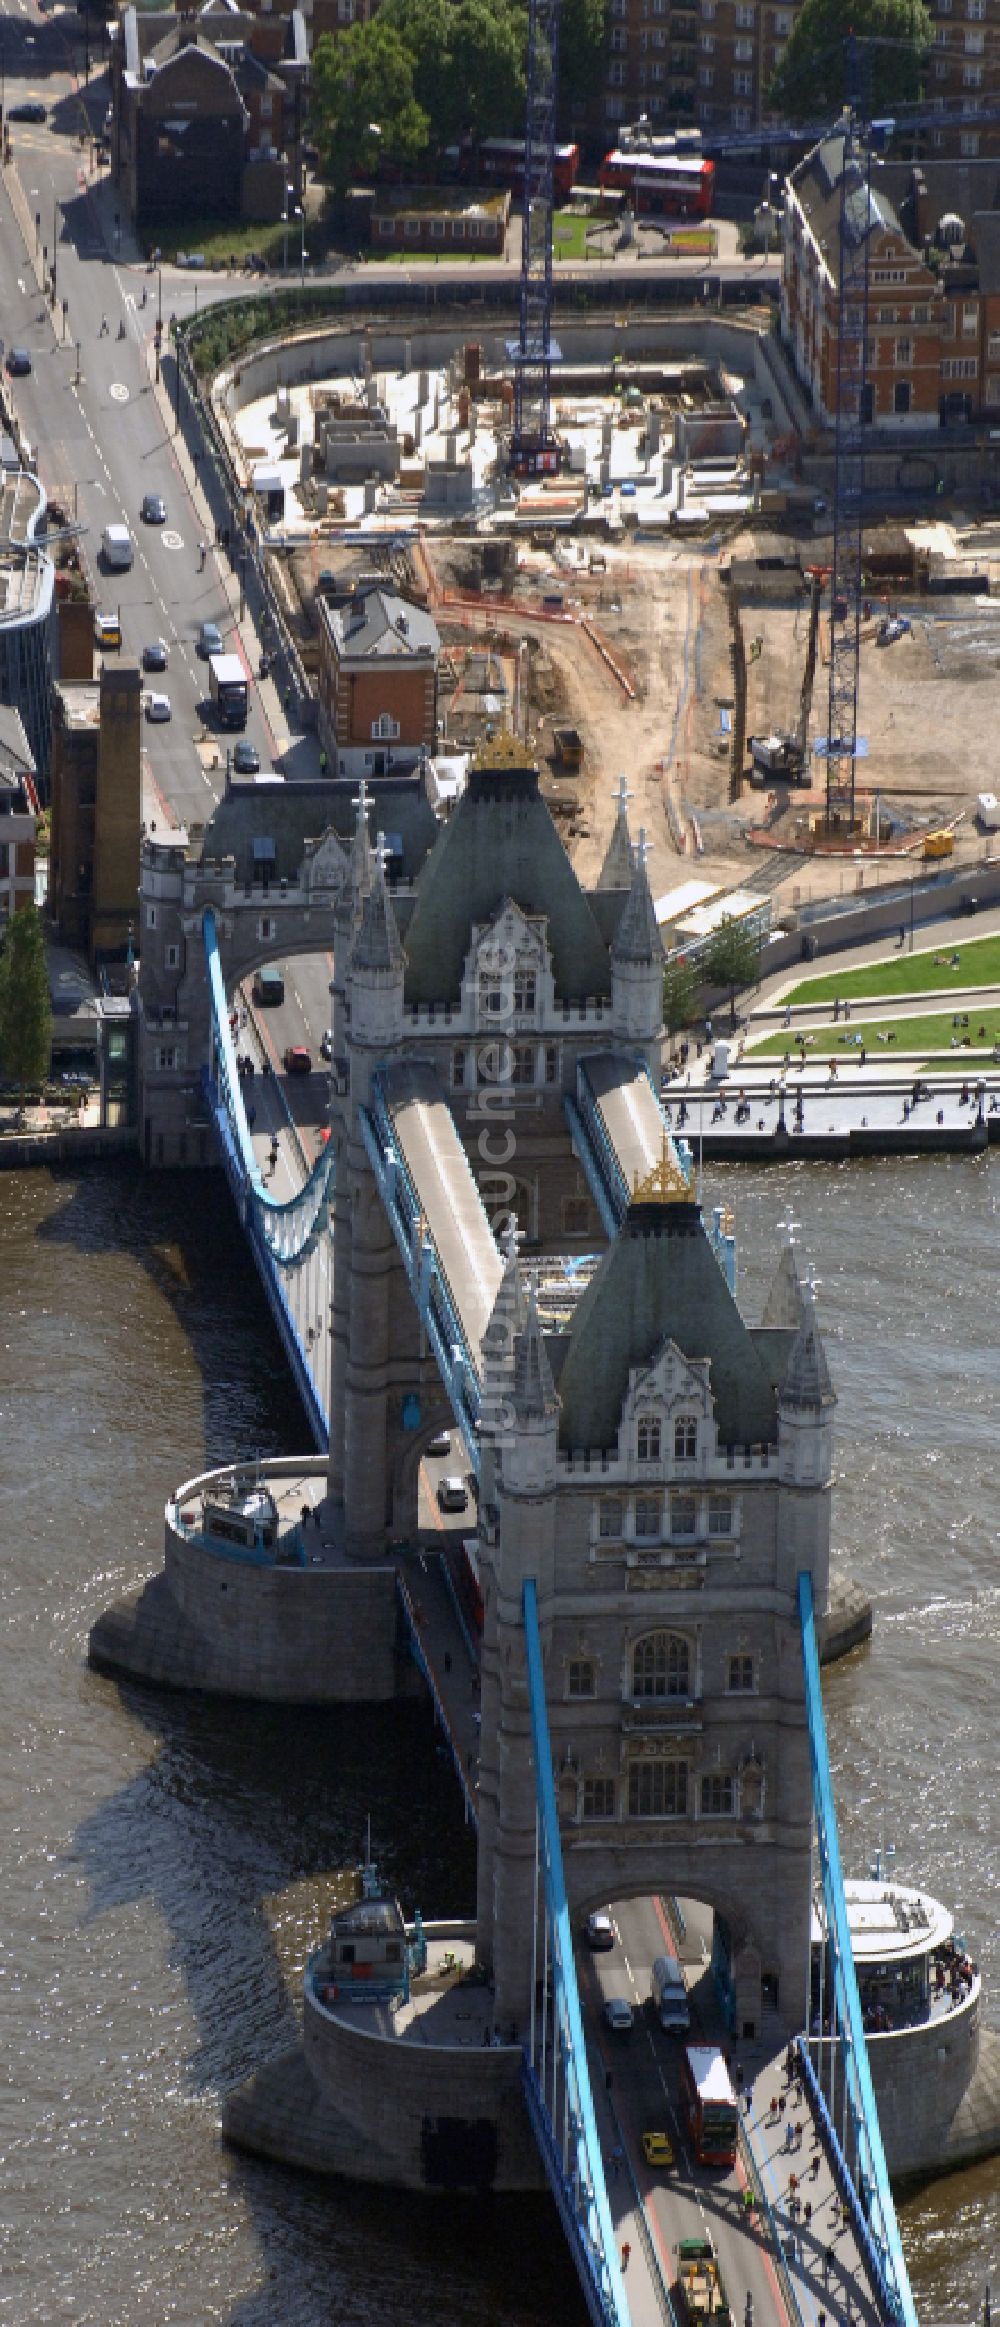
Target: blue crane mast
{"x": 534, "y": 450}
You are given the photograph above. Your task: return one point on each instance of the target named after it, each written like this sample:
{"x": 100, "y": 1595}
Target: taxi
{"x": 658, "y": 2150}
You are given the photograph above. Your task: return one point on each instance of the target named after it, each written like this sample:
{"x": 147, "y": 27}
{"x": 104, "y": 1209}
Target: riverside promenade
{"x": 836, "y": 1077}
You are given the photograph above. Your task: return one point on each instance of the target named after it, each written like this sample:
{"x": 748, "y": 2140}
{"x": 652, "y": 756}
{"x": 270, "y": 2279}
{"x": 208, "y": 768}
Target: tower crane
{"x": 534, "y": 450}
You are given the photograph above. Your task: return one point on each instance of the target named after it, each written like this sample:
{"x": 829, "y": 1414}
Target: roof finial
{"x": 666, "y": 1183}
{"x": 645, "y": 848}
{"x": 622, "y": 794}
{"x": 512, "y": 1237}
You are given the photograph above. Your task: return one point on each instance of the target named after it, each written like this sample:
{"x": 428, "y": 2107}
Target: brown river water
{"x": 166, "y": 1858}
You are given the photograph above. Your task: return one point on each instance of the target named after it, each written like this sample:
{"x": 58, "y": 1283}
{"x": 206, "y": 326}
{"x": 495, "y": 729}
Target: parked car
{"x": 599, "y": 1931}
{"x": 209, "y": 640}
{"x": 154, "y": 509}
{"x": 31, "y": 110}
{"x": 452, "y": 1494}
{"x": 326, "y": 1045}
{"x": 619, "y": 2015}
{"x": 246, "y": 759}
{"x": 158, "y": 709}
{"x": 155, "y": 656}
{"x": 191, "y": 258}
{"x": 18, "y": 362}
{"x": 297, "y": 1060}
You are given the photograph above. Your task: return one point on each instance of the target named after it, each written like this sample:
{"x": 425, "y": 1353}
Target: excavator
{"x": 785, "y": 756}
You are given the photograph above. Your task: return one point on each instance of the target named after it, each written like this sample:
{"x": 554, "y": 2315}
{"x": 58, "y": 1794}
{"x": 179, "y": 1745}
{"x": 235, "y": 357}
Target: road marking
{"x": 172, "y": 540}
{"x": 119, "y": 391}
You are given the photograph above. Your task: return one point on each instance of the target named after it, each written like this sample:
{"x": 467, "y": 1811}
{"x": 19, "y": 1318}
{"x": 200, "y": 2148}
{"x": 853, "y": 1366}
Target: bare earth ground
{"x": 926, "y": 703}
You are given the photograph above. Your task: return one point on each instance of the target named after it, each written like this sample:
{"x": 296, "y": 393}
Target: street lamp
{"x": 285, "y": 216}
{"x": 301, "y": 216}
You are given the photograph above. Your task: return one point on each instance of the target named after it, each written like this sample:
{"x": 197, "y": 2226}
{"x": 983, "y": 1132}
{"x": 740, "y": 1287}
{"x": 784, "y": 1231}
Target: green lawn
{"x": 922, "y": 1034}
{"x": 935, "y": 972}
{"x": 569, "y": 233}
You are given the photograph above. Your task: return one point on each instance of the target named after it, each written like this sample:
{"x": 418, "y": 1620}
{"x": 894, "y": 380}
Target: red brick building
{"x": 378, "y": 659}
{"x": 908, "y": 324}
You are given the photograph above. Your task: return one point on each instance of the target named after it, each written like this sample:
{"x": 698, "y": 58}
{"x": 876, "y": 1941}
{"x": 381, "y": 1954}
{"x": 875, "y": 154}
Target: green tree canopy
{"x": 581, "y": 50}
{"x": 732, "y": 959}
{"x": 680, "y": 987}
{"x": 25, "y": 1004}
{"x": 469, "y": 61}
{"x": 893, "y": 41}
{"x": 362, "y": 103}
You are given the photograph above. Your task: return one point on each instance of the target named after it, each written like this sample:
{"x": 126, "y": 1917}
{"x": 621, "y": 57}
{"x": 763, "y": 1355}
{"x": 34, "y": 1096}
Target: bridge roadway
{"x": 439, "y": 1171}
{"x": 635, "y": 2078}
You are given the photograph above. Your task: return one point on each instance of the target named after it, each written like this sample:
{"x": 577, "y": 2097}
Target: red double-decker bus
{"x": 499, "y": 161}
{"x": 709, "y": 2104}
{"x": 681, "y": 183}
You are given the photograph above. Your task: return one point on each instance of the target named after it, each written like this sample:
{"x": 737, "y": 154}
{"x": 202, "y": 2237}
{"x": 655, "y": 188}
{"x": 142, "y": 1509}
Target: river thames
{"x": 166, "y": 1857}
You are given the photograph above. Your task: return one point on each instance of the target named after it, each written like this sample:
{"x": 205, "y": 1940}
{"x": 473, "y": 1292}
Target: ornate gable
{"x": 325, "y": 866}
{"x": 507, "y": 977}
{"x": 657, "y": 1395}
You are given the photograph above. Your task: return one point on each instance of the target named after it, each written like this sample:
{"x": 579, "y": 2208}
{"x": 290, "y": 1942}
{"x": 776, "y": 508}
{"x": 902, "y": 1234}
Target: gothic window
{"x": 575, "y": 1216}
{"x": 685, "y": 1438}
{"x": 494, "y": 999}
{"x": 683, "y": 1515}
{"x": 739, "y": 1675}
{"x": 718, "y": 1797}
{"x": 524, "y": 991}
{"x": 599, "y": 1798}
{"x": 524, "y": 1062}
{"x": 661, "y": 1666}
{"x": 657, "y": 1789}
{"x": 648, "y": 1438}
{"x": 610, "y": 1515}
{"x": 580, "y": 1677}
{"x": 720, "y": 1515}
{"x": 648, "y": 1516}
{"x": 551, "y": 1062}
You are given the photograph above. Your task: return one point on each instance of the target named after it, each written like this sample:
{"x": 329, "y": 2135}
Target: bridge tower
{"x": 664, "y": 1473}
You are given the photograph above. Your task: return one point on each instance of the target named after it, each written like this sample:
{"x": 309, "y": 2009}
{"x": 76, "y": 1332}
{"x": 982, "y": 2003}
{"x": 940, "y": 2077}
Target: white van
{"x": 670, "y": 1995}
{"x": 116, "y": 544}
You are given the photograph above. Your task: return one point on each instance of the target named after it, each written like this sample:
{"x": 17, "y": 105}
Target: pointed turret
{"x": 534, "y": 1389}
{"x": 807, "y": 1382}
{"x": 783, "y": 1307}
{"x": 637, "y": 938}
{"x": 619, "y": 859}
{"x": 377, "y": 964}
{"x": 637, "y": 966}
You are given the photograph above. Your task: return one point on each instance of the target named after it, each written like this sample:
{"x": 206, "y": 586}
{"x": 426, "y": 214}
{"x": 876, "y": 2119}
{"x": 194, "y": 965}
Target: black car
{"x": 154, "y": 509}
{"x": 246, "y": 760}
{"x": 154, "y": 656}
{"x": 18, "y": 362}
{"x": 30, "y": 111}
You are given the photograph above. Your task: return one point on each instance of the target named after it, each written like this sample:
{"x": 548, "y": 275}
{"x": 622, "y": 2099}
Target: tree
{"x": 469, "y": 61}
{"x": 893, "y": 38}
{"x": 25, "y": 1003}
{"x": 362, "y": 103}
{"x": 680, "y": 986}
{"x": 581, "y": 50}
{"x": 732, "y": 959}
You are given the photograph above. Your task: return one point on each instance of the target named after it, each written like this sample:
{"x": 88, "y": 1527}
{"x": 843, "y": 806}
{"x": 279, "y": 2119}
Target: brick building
{"x": 207, "y": 113}
{"x": 378, "y": 658}
{"x": 906, "y": 309}
{"x": 96, "y": 811}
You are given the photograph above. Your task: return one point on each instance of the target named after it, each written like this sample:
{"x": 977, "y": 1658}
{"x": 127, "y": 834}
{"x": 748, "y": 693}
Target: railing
{"x": 870, "y": 2195}
{"x": 556, "y": 2075}
{"x": 282, "y": 1236}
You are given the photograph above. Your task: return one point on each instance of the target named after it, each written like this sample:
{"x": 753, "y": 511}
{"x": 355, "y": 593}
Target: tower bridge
{"x": 518, "y": 1252}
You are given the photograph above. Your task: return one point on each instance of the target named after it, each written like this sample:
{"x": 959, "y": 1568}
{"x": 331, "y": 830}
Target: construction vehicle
{"x": 786, "y": 755}
{"x": 567, "y": 746}
{"x": 699, "y": 2283}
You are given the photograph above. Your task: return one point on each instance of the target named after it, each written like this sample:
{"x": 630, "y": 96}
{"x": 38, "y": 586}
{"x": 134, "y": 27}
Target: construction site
{"x": 660, "y": 606}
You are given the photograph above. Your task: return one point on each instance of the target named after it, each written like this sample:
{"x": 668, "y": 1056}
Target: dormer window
{"x": 648, "y": 1438}
{"x": 494, "y": 999}
{"x": 685, "y": 1438}
{"x": 525, "y": 991}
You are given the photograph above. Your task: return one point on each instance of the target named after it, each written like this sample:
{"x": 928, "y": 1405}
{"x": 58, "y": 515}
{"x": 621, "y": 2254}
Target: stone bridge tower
{"x": 664, "y": 1473}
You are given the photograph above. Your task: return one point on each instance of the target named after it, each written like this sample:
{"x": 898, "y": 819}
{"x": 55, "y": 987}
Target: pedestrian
{"x": 902, "y": 937}
{"x": 103, "y": 333}
{"x": 322, "y": 763}
{"x": 202, "y": 555}
{"x": 798, "y": 2133}
{"x": 807, "y": 2212}
{"x": 828, "y": 2259}
{"x": 626, "y": 2251}
{"x": 748, "y": 2099}
{"x": 251, "y": 1117}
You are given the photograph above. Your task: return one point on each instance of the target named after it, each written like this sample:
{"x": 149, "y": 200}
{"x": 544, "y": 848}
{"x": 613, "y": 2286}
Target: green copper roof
{"x": 499, "y": 842}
